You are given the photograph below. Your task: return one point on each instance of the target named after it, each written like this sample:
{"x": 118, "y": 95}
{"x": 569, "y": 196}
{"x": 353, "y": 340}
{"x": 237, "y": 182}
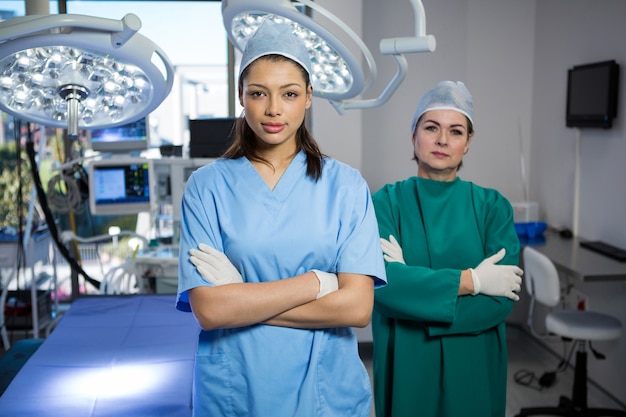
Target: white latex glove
{"x": 392, "y": 252}
{"x": 214, "y": 266}
{"x": 328, "y": 282}
{"x": 497, "y": 280}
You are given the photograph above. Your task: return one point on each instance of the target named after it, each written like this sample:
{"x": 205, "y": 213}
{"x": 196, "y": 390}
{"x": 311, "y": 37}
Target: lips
{"x": 273, "y": 127}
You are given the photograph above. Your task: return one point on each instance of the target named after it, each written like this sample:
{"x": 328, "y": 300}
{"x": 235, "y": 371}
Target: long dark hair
{"x": 245, "y": 141}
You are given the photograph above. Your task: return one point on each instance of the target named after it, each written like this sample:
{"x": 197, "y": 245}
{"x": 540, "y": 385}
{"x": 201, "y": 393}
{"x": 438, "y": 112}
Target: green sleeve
{"x": 477, "y": 313}
{"x": 418, "y": 293}
{"x": 412, "y": 292}
{"x": 474, "y": 314}
{"x": 430, "y": 296}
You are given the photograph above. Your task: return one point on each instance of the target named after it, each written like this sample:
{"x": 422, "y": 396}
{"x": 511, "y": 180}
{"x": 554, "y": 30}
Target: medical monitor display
{"x": 125, "y": 139}
{"x": 119, "y": 186}
{"x": 592, "y": 95}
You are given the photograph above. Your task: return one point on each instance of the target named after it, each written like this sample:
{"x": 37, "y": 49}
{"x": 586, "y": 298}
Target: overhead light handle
{"x": 396, "y": 47}
{"x": 73, "y": 95}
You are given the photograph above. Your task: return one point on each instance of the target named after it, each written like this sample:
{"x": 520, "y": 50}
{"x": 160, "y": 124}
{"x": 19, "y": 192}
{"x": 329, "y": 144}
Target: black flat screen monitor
{"x": 592, "y": 95}
{"x": 119, "y": 186}
{"x": 124, "y": 139}
{"x": 209, "y": 138}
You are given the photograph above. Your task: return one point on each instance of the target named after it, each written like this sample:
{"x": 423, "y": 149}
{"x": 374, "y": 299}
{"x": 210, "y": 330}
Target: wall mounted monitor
{"x": 124, "y": 139}
{"x": 592, "y": 95}
{"x": 209, "y": 138}
{"x": 119, "y": 186}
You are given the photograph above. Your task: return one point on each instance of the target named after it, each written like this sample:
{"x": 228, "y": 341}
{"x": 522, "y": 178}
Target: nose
{"x": 273, "y": 106}
{"x": 442, "y": 140}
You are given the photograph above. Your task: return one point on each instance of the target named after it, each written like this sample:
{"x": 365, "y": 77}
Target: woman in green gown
{"x": 451, "y": 256}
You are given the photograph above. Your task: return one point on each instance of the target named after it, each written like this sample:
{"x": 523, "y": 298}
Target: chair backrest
{"x": 541, "y": 277}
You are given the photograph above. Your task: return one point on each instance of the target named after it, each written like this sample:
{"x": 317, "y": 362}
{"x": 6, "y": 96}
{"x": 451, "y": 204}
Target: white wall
{"x": 587, "y": 32}
{"x": 486, "y": 44}
{"x": 513, "y": 55}
{"x": 340, "y": 137}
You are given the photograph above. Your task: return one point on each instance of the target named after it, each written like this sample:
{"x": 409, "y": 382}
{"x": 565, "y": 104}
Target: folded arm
{"x": 350, "y": 306}
{"x": 315, "y": 299}
{"x": 243, "y": 304}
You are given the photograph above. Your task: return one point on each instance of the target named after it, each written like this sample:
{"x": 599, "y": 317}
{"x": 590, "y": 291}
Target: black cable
{"x": 41, "y": 195}
{"x": 596, "y": 354}
{"x": 564, "y": 362}
{"x": 528, "y": 379}
{"x": 547, "y": 379}
{"x": 20, "y": 195}
{"x": 20, "y": 263}
{"x": 21, "y": 259}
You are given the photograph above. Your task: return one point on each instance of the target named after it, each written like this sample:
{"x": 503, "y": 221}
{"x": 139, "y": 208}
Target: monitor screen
{"x": 119, "y": 186}
{"x": 209, "y": 138}
{"x": 127, "y": 138}
{"x": 592, "y": 95}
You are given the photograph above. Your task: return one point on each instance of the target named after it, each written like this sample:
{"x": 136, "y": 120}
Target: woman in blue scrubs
{"x": 279, "y": 255}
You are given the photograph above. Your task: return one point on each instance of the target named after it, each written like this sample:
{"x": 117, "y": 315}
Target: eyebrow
{"x": 439, "y": 124}
{"x": 290, "y": 85}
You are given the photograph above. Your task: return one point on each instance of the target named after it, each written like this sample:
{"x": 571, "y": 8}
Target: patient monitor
{"x": 120, "y": 186}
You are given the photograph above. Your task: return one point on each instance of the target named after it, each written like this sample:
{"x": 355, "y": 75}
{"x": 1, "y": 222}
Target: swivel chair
{"x": 581, "y": 327}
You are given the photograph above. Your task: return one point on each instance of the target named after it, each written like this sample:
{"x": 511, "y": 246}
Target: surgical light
{"x": 78, "y": 71}
{"x": 338, "y": 75}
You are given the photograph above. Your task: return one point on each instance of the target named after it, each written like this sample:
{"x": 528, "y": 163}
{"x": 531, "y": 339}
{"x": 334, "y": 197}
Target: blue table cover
{"x": 110, "y": 356}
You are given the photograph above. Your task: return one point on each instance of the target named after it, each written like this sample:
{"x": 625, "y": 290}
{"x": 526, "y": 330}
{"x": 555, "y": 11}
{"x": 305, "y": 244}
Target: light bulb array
{"x": 42, "y": 80}
{"x": 330, "y": 71}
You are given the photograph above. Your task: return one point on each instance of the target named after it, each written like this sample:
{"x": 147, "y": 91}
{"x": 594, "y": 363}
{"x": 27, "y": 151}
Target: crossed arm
{"x": 290, "y": 302}
{"x": 497, "y": 280}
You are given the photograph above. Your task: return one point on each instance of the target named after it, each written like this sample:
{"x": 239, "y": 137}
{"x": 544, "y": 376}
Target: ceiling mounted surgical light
{"x": 80, "y": 72}
{"x": 338, "y": 75}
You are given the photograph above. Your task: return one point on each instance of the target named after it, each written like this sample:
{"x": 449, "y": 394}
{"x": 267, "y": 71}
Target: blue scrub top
{"x": 269, "y": 234}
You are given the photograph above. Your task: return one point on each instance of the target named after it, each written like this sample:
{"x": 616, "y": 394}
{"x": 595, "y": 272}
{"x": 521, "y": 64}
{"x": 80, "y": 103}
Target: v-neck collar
{"x": 294, "y": 172}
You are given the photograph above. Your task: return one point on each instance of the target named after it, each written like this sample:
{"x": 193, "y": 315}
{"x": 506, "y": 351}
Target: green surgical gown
{"x": 438, "y": 354}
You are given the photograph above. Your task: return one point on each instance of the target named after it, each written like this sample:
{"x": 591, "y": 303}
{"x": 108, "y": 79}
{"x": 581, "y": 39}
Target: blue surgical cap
{"x": 447, "y": 95}
{"x": 275, "y": 38}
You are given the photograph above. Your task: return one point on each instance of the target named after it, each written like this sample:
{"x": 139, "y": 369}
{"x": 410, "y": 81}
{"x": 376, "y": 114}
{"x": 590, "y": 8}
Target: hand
{"x": 328, "y": 283}
{"x": 392, "y": 252}
{"x": 497, "y": 280}
{"x": 214, "y": 266}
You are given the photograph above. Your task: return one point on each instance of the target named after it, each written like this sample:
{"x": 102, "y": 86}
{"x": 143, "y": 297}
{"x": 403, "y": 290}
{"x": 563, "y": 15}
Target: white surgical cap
{"x": 447, "y": 95}
{"x": 275, "y": 39}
